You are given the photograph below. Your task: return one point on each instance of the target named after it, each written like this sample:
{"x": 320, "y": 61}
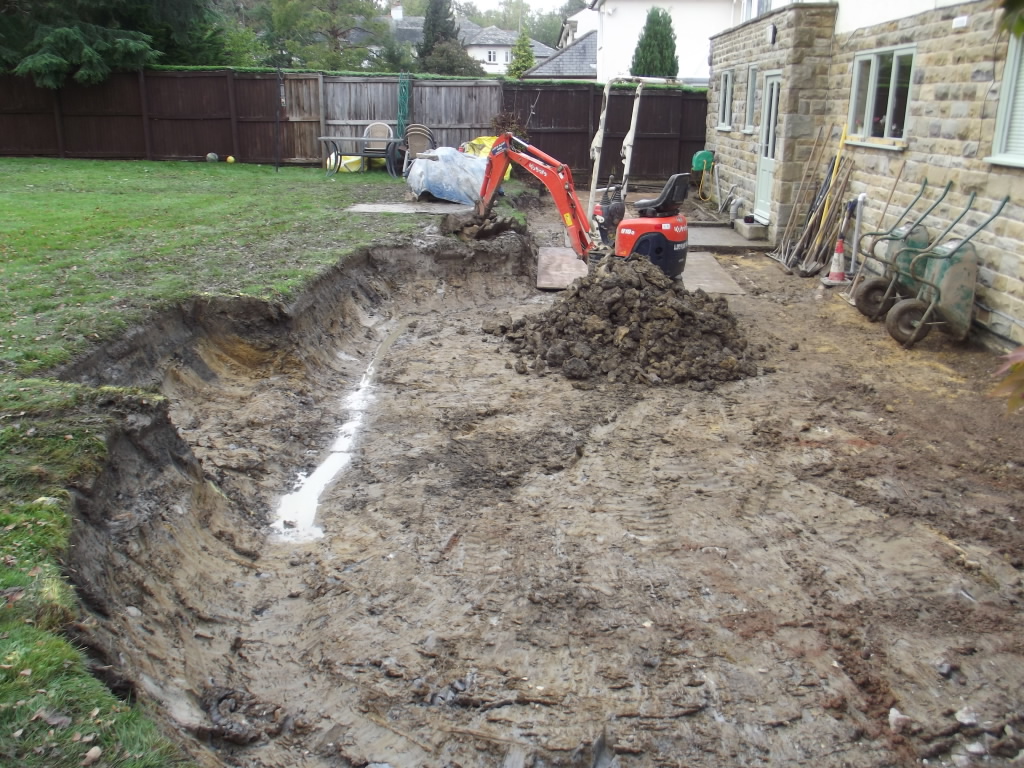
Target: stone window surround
{"x": 871, "y": 55}
{"x": 725, "y": 90}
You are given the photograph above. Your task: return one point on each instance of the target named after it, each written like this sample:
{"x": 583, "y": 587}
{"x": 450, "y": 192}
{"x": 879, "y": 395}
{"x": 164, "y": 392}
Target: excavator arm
{"x": 554, "y": 175}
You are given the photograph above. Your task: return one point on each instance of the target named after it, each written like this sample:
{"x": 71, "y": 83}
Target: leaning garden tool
{"x": 945, "y": 278}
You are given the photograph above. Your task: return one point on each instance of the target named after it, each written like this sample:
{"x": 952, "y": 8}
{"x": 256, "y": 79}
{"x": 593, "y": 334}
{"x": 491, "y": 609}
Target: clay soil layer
{"x": 816, "y": 565}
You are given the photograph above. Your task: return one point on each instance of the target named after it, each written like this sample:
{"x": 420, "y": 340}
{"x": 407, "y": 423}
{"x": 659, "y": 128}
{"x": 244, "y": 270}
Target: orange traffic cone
{"x": 837, "y": 272}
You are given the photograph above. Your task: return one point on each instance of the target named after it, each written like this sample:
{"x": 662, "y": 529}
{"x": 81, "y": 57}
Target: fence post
{"x": 144, "y": 101}
{"x": 58, "y": 119}
{"x": 321, "y": 97}
{"x": 233, "y": 110}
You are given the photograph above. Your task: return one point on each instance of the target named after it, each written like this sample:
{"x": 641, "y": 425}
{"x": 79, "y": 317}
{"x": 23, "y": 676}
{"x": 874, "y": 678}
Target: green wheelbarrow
{"x": 944, "y": 278}
{"x": 893, "y": 249}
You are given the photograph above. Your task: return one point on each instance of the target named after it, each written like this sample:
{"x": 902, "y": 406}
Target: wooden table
{"x": 356, "y": 146}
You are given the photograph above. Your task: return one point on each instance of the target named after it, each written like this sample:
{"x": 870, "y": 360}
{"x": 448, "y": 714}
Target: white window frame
{"x": 1008, "y": 142}
{"x": 508, "y": 56}
{"x": 751, "y": 9}
{"x": 858, "y": 125}
{"x": 748, "y": 120}
{"x": 725, "y": 101}
{"x": 492, "y": 57}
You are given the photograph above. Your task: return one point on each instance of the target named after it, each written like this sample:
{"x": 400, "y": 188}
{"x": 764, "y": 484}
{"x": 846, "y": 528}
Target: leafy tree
{"x": 393, "y": 56}
{"x": 1013, "y": 16}
{"x": 51, "y": 40}
{"x": 243, "y": 47}
{"x": 655, "y": 54}
{"x": 332, "y": 23}
{"x": 438, "y": 27}
{"x": 522, "y": 57}
{"x": 1012, "y": 384}
{"x": 449, "y": 58}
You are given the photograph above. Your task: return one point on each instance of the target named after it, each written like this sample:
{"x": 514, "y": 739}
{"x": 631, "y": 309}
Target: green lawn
{"x": 88, "y": 248}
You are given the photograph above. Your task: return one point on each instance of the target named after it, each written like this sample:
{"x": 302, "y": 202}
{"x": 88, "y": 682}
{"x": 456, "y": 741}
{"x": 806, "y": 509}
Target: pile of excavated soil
{"x": 628, "y": 321}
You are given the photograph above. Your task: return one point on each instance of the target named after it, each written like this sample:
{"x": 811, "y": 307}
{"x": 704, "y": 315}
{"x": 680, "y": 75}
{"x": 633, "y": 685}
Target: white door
{"x": 766, "y": 153}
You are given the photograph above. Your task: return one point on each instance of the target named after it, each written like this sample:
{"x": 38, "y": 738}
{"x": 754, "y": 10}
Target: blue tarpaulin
{"x": 453, "y": 176}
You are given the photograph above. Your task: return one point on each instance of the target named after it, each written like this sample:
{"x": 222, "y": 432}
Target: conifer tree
{"x": 522, "y": 56}
{"x": 438, "y": 26}
{"x": 655, "y": 54}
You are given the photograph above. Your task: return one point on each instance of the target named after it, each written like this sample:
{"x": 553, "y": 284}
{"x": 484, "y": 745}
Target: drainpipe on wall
{"x": 597, "y": 5}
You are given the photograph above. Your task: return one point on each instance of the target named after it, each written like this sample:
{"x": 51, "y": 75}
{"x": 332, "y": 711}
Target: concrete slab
{"x": 435, "y": 208}
{"x": 703, "y": 271}
{"x": 751, "y": 231}
{"x": 558, "y": 267}
{"x": 719, "y": 239}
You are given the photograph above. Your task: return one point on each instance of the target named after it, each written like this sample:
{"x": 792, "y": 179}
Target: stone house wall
{"x": 949, "y": 131}
{"x": 801, "y": 53}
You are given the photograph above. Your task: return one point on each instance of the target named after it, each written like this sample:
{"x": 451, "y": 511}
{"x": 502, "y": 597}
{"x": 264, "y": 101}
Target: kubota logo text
{"x": 537, "y": 170}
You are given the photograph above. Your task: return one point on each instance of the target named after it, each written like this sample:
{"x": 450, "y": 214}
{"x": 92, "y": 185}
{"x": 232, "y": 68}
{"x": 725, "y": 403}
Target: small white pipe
{"x": 735, "y": 206}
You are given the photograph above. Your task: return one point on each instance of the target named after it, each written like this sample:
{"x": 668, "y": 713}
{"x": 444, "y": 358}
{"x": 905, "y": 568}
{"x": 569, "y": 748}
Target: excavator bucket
{"x": 557, "y": 267}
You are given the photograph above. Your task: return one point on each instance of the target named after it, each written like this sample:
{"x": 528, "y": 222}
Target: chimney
{"x": 396, "y": 10}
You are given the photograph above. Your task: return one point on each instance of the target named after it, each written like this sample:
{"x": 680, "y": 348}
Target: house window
{"x": 748, "y": 120}
{"x": 1008, "y": 144}
{"x": 492, "y": 57}
{"x": 751, "y": 9}
{"x": 508, "y": 56}
{"x": 881, "y": 91}
{"x": 725, "y": 101}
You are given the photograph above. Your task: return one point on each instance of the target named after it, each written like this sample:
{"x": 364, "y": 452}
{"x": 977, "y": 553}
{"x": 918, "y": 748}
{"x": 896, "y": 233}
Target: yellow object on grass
{"x": 352, "y": 163}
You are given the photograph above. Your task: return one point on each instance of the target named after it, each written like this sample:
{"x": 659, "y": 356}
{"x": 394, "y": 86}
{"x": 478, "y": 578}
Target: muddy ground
{"x": 817, "y": 565}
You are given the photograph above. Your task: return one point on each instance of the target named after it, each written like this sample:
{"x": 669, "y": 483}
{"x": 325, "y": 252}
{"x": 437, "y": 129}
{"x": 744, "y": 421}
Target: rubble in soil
{"x": 629, "y": 322}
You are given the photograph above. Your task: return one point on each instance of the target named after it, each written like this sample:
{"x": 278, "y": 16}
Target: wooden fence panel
{"x": 557, "y": 119}
{"x": 456, "y": 111}
{"x": 104, "y": 120}
{"x": 562, "y": 120}
{"x": 28, "y": 123}
{"x": 302, "y": 110}
{"x": 189, "y": 114}
{"x": 266, "y": 117}
{"x": 352, "y": 103}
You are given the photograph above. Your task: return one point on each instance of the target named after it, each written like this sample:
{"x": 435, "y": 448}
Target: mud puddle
{"x": 815, "y": 565}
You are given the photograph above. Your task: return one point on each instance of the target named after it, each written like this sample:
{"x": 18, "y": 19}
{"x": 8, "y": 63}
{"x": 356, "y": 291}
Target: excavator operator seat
{"x": 668, "y": 202}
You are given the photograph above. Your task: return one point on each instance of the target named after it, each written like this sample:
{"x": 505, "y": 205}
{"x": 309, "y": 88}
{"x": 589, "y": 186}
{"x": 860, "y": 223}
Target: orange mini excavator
{"x": 658, "y": 233}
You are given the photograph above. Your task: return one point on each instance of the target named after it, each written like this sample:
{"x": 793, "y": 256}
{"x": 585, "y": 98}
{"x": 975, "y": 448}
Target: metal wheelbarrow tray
{"x": 875, "y": 296}
{"x": 945, "y": 278}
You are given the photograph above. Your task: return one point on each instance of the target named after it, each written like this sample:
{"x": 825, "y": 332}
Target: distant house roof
{"x": 541, "y": 51}
{"x": 491, "y": 36}
{"x": 409, "y": 29}
{"x": 575, "y": 62}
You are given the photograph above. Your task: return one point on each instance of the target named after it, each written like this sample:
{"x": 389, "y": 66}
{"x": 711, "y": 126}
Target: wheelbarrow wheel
{"x": 904, "y": 320}
{"x": 870, "y": 298}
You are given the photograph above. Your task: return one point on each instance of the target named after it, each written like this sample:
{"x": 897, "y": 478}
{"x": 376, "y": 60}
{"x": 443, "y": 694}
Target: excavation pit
{"x": 514, "y": 571}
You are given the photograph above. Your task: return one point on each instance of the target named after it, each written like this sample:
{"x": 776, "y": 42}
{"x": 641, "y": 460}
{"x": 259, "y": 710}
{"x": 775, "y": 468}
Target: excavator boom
{"x": 508, "y": 149}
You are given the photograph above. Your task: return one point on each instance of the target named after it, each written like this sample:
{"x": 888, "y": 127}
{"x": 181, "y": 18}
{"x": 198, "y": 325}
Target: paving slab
{"x": 435, "y": 208}
{"x": 703, "y": 271}
{"x": 719, "y": 239}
